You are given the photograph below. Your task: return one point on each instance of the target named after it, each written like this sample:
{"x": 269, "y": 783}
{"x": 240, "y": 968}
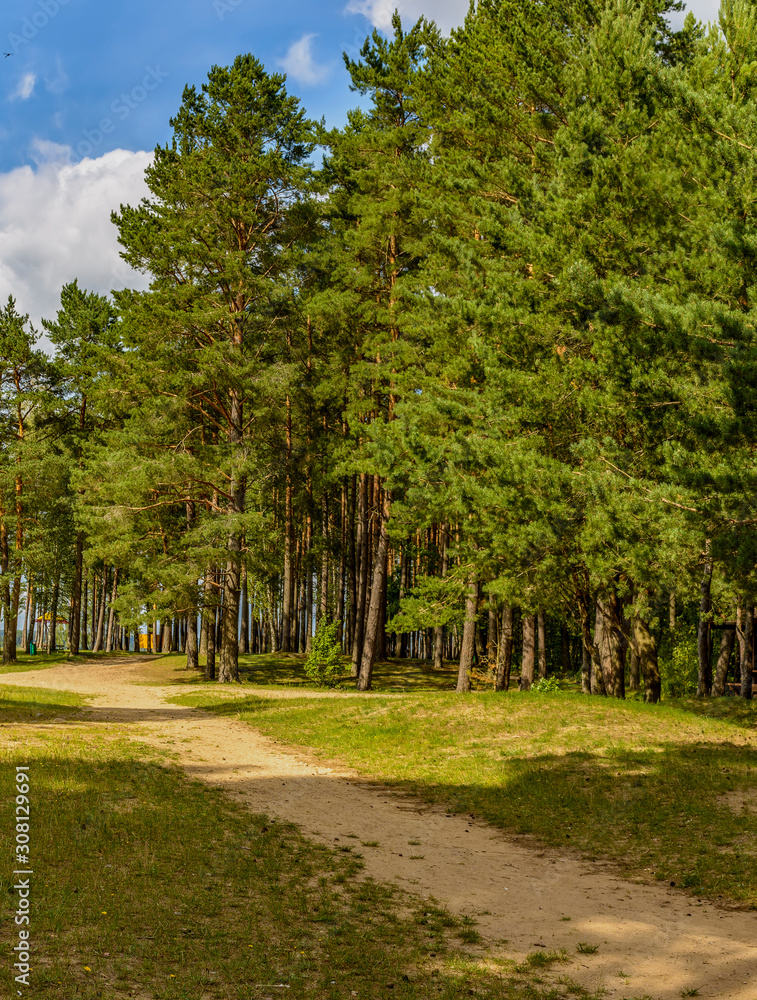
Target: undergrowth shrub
{"x": 680, "y": 670}
{"x": 323, "y": 665}
{"x": 546, "y": 684}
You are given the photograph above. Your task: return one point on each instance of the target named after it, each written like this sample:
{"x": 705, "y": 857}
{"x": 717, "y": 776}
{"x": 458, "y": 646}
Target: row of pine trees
{"x": 474, "y": 376}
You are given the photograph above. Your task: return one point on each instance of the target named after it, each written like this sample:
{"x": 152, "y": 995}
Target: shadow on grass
{"x": 160, "y": 883}
{"x": 22, "y": 704}
{"x": 736, "y": 711}
{"x": 682, "y": 811}
{"x": 288, "y": 670}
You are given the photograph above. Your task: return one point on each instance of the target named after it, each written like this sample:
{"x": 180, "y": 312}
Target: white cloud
{"x": 55, "y": 226}
{"x": 57, "y": 84}
{"x": 299, "y": 63}
{"x": 25, "y": 87}
{"x": 447, "y": 13}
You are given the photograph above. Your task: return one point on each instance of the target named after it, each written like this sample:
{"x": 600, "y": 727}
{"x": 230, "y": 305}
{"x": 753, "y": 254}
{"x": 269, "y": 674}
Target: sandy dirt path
{"x": 653, "y": 941}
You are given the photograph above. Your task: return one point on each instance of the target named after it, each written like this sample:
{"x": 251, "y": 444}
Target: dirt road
{"x": 653, "y": 941}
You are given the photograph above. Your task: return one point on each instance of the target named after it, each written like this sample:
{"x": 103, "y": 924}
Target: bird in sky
{"x": 6, "y": 54}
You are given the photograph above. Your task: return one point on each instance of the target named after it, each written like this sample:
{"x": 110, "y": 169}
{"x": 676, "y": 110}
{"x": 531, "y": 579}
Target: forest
{"x": 472, "y": 378}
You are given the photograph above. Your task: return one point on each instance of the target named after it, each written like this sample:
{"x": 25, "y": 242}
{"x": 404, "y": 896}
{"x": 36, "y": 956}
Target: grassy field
{"x": 149, "y": 885}
{"x": 665, "y": 792}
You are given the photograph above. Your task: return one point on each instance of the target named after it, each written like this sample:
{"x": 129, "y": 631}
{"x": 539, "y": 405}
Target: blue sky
{"x": 88, "y": 90}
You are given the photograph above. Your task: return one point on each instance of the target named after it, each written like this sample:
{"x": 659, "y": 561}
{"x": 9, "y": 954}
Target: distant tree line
{"x": 480, "y": 387}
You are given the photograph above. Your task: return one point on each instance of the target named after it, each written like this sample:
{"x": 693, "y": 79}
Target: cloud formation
{"x": 24, "y": 88}
{"x": 447, "y": 13}
{"x": 55, "y": 226}
{"x": 300, "y": 65}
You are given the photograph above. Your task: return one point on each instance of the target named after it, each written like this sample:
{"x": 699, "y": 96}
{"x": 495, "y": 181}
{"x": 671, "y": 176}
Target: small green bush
{"x": 546, "y": 684}
{"x": 323, "y": 665}
{"x": 680, "y": 672}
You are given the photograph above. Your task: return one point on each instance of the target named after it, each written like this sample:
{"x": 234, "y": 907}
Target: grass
{"x": 148, "y": 884}
{"x": 44, "y": 661}
{"x": 286, "y": 670}
{"x": 663, "y": 791}
{"x": 23, "y": 704}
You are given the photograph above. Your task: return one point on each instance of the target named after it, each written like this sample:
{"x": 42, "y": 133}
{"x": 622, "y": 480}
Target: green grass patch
{"x": 24, "y": 704}
{"x": 147, "y": 884}
{"x": 43, "y": 661}
{"x": 661, "y": 791}
{"x": 288, "y": 670}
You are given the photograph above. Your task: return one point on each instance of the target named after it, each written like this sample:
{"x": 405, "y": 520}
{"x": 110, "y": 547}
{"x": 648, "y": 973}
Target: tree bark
{"x": 28, "y": 612}
{"x": 75, "y": 636}
{"x": 505, "y": 649}
{"x": 363, "y": 550}
{"x": 727, "y": 641}
{"x": 112, "y": 613}
{"x": 529, "y": 652}
{"x": 370, "y": 639}
{"x": 98, "y": 644}
{"x": 468, "y": 644}
{"x": 598, "y": 685}
{"x": 84, "y": 643}
{"x": 439, "y": 629}
{"x": 747, "y": 650}
{"x": 193, "y": 660}
{"x": 704, "y": 679}
{"x": 585, "y": 670}
{"x": 613, "y": 665}
{"x": 244, "y": 625}
{"x": 646, "y": 650}
{"x": 567, "y": 666}
{"x": 51, "y": 644}
{"x": 541, "y": 629}
{"x": 209, "y": 625}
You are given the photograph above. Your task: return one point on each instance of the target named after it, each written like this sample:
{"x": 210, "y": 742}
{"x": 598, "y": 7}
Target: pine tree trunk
{"x": 377, "y": 596}
{"x": 74, "y": 635}
{"x": 646, "y": 650}
{"x": 491, "y": 635}
{"x": 98, "y": 645}
{"x": 468, "y": 645}
{"x": 209, "y": 624}
{"x": 51, "y": 645}
{"x": 309, "y": 601}
{"x": 505, "y": 649}
{"x": 95, "y": 593}
{"x": 229, "y": 664}
{"x": 352, "y": 568}
{"x": 529, "y": 652}
{"x": 193, "y": 660}
{"x": 363, "y": 539}
{"x": 541, "y": 629}
{"x": 598, "y": 685}
{"x": 342, "y": 581}
{"x": 404, "y": 636}
{"x": 439, "y": 629}
{"x": 704, "y": 679}
{"x": 84, "y": 644}
{"x": 567, "y": 666}
{"x": 112, "y": 613}
{"x": 611, "y": 648}
{"x": 244, "y": 627}
{"x": 323, "y": 593}
{"x": 727, "y": 641}
{"x": 747, "y": 651}
{"x": 28, "y": 611}
{"x": 585, "y": 670}
{"x": 633, "y": 671}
